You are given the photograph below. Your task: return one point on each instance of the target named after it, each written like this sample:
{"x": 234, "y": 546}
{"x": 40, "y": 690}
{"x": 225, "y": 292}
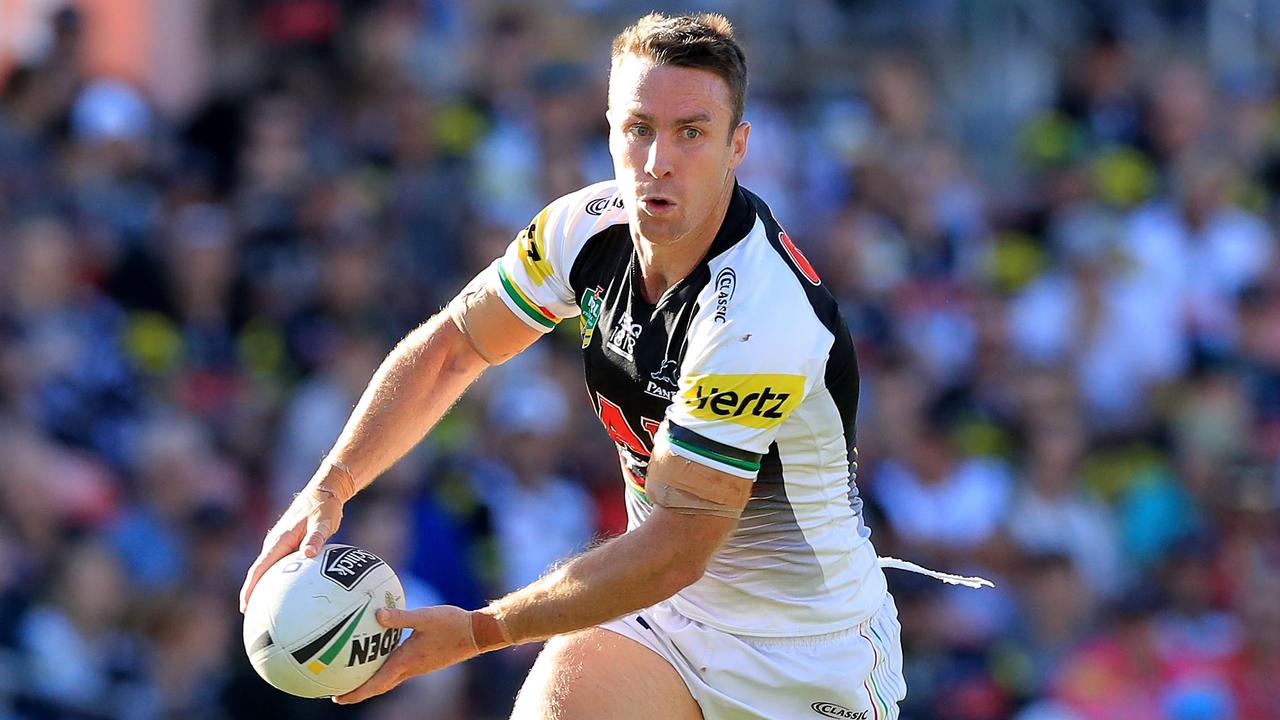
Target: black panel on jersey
{"x": 841, "y": 375}
{"x": 633, "y": 356}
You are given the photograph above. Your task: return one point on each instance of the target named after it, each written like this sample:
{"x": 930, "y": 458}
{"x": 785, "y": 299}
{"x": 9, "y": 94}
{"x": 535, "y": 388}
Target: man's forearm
{"x": 626, "y": 574}
{"x": 413, "y": 388}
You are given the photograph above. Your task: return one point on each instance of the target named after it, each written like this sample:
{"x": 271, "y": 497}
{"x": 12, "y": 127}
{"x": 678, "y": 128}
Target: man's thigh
{"x": 594, "y": 673}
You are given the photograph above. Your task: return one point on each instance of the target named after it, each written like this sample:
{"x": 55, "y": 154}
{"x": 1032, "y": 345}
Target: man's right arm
{"x": 414, "y": 387}
{"x": 510, "y": 304}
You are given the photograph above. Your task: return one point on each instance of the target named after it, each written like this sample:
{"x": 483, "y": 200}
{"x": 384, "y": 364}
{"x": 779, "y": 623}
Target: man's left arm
{"x": 695, "y": 509}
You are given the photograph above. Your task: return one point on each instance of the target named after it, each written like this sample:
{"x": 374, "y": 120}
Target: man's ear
{"x": 738, "y": 139}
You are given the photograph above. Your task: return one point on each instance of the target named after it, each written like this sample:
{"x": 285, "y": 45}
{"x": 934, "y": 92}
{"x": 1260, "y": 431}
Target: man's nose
{"x": 658, "y": 163}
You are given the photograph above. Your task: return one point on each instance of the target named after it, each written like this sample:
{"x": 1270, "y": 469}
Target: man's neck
{"x": 662, "y": 266}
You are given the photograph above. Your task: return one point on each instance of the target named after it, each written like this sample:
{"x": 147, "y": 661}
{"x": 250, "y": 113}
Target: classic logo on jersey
{"x": 664, "y": 381}
{"x": 533, "y": 251}
{"x": 590, "y": 305}
{"x": 759, "y": 401}
{"x": 797, "y": 257}
{"x": 726, "y": 283}
{"x": 832, "y": 710}
{"x": 600, "y": 205}
{"x": 622, "y": 339}
{"x": 346, "y": 565}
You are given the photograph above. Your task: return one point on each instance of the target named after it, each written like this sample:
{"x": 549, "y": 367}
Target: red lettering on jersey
{"x": 799, "y": 259}
{"x": 650, "y": 426}
{"x": 618, "y": 428}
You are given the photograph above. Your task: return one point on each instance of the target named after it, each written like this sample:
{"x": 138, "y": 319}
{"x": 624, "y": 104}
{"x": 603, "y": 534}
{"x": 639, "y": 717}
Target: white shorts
{"x": 853, "y": 674}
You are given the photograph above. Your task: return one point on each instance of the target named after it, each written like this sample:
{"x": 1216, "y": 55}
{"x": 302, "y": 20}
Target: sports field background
{"x": 1050, "y": 223}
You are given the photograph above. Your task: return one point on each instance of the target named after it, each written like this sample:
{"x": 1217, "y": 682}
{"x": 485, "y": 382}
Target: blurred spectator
{"x": 80, "y": 658}
{"x": 940, "y": 504}
{"x": 178, "y": 479}
{"x": 1052, "y": 513}
{"x": 539, "y": 516}
{"x": 75, "y": 382}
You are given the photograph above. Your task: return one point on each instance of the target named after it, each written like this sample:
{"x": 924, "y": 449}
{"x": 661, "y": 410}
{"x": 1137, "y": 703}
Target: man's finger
{"x": 317, "y": 535}
{"x": 385, "y": 679}
{"x": 251, "y": 580}
{"x": 394, "y": 618}
{"x": 266, "y": 559}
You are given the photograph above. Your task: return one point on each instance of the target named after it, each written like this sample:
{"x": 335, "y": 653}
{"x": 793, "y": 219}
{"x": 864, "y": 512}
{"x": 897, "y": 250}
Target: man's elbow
{"x": 683, "y": 573}
{"x": 686, "y": 564}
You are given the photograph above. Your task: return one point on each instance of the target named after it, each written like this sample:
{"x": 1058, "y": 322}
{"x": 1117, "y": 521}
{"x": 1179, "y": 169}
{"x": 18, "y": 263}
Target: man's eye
{"x": 691, "y": 133}
{"x": 639, "y": 130}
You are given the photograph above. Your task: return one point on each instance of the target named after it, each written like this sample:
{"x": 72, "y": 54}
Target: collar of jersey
{"x": 738, "y": 221}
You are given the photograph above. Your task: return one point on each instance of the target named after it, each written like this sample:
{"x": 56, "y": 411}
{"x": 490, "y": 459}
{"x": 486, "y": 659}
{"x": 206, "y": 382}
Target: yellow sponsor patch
{"x": 760, "y": 401}
{"x": 533, "y": 251}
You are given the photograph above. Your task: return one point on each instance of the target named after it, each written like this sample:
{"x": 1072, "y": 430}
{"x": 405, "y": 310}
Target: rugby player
{"x": 746, "y": 585}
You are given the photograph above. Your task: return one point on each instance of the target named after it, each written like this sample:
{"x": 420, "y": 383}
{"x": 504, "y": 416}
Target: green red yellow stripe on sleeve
{"x": 539, "y": 314}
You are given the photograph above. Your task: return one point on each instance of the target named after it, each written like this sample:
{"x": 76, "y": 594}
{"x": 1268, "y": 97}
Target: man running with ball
{"x": 746, "y": 585}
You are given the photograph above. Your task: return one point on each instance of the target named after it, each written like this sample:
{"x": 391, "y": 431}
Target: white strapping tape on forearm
{"x": 967, "y": 581}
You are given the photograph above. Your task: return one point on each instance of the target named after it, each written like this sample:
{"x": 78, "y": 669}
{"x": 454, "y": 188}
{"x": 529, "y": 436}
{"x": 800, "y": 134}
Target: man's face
{"x": 673, "y": 153}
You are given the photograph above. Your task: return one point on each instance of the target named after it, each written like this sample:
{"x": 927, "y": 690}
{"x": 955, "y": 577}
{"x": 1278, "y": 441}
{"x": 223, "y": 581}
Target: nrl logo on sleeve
{"x": 760, "y": 401}
{"x": 591, "y": 302}
{"x": 346, "y": 565}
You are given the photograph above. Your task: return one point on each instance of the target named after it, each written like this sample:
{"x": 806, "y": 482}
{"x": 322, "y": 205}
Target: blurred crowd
{"x": 1051, "y": 227}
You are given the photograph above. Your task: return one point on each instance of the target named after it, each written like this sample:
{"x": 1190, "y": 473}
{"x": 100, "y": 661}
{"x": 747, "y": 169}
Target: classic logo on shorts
{"x": 832, "y": 710}
{"x": 346, "y": 565}
{"x": 591, "y": 302}
{"x": 758, "y": 401}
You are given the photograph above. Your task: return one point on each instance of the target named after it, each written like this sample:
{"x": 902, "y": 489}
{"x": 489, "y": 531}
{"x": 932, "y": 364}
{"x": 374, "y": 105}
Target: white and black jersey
{"x": 745, "y": 365}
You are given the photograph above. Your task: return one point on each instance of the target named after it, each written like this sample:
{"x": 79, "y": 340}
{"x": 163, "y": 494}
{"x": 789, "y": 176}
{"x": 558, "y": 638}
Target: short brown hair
{"x": 704, "y": 41}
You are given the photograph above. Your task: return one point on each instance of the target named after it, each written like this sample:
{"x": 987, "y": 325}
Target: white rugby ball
{"x": 310, "y": 628}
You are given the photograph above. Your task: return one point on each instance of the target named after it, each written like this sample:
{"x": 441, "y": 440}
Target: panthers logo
{"x": 667, "y": 373}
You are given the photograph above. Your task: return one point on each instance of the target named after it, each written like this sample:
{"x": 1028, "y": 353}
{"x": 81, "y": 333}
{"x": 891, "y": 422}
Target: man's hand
{"x": 312, "y": 517}
{"x": 442, "y": 636}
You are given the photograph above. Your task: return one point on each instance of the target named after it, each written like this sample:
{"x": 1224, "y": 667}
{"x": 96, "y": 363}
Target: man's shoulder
{"x": 765, "y": 281}
{"x": 551, "y": 243}
{"x": 588, "y": 204}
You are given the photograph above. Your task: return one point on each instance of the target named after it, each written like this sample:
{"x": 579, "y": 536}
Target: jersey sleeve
{"x": 744, "y": 373}
{"x": 533, "y": 274}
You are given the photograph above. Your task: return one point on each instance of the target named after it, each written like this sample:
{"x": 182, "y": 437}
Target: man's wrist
{"x": 337, "y": 480}
{"x": 489, "y": 631}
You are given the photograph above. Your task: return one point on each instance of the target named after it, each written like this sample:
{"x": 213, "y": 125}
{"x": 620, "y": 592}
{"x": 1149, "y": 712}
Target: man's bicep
{"x": 689, "y": 487}
{"x": 492, "y": 328}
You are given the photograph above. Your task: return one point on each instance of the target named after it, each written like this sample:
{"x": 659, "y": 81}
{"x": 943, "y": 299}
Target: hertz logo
{"x": 758, "y": 401}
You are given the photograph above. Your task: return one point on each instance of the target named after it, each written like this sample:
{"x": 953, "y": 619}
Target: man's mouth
{"x": 657, "y": 205}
